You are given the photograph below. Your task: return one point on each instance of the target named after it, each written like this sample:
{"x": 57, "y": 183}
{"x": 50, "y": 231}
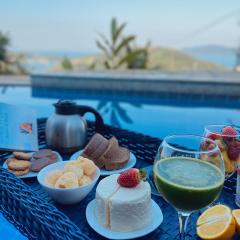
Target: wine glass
{"x": 186, "y": 176}
{"x": 228, "y": 141}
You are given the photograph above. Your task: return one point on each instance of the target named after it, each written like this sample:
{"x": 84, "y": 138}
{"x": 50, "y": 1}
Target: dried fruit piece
{"x": 229, "y": 131}
{"x": 84, "y": 180}
{"x": 214, "y": 136}
{"x": 233, "y": 150}
{"x": 88, "y": 166}
{"x": 220, "y": 144}
{"x": 52, "y": 177}
{"x": 229, "y": 134}
{"x": 67, "y": 180}
{"x": 75, "y": 169}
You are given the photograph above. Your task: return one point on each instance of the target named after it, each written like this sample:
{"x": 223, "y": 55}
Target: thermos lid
{"x": 66, "y": 107}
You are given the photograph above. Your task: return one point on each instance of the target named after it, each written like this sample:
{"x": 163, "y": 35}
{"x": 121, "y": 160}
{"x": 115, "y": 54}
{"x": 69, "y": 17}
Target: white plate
{"x": 31, "y": 174}
{"x": 157, "y": 219}
{"x": 131, "y": 163}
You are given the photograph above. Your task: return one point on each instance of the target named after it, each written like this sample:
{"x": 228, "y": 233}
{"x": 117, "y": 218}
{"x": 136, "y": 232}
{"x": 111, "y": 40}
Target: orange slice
{"x": 216, "y": 223}
{"x": 236, "y": 215}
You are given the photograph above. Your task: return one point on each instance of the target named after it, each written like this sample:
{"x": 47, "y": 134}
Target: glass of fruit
{"x": 185, "y": 175}
{"x": 228, "y": 141}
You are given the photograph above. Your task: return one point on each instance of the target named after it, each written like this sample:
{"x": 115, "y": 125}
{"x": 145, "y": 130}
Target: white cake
{"x": 123, "y": 209}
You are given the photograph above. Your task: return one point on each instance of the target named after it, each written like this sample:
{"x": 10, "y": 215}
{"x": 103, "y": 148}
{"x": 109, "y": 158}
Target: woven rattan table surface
{"x": 34, "y": 213}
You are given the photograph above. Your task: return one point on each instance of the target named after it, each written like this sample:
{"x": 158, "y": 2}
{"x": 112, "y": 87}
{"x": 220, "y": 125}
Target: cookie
{"x": 22, "y": 155}
{"x": 53, "y": 156}
{"x": 38, "y": 164}
{"x": 19, "y": 173}
{"x": 43, "y": 153}
{"x": 19, "y": 165}
{"x": 11, "y": 159}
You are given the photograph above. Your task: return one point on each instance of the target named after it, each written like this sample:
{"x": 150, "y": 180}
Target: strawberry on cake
{"x": 123, "y": 202}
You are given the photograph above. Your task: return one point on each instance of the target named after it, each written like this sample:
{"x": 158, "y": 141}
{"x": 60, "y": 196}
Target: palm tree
{"x": 118, "y": 50}
{"x": 116, "y": 112}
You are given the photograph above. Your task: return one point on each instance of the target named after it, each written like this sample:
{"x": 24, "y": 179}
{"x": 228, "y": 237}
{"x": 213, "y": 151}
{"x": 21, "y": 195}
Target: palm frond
{"x": 105, "y": 40}
{"x": 101, "y": 105}
{"x": 113, "y": 29}
{"x": 125, "y": 42}
{"x": 103, "y": 48}
{"x": 106, "y": 110}
{"x": 118, "y": 32}
{"x": 114, "y": 120}
{"x": 137, "y": 105}
{"x": 130, "y": 57}
{"x": 123, "y": 114}
{"x": 107, "y": 65}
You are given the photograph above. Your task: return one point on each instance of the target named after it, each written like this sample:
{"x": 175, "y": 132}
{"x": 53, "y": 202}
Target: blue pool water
{"x": 153, "y": 115}
{"x": 8, "y": 231}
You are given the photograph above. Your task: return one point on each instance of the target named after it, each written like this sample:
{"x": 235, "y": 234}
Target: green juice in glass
{"x": 187, "y": 183}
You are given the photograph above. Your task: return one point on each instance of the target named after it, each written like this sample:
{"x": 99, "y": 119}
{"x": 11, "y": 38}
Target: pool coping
{"x": 13, "y": 80}
{"x": 220, "y": 83}
{"x": 205, "y": 83}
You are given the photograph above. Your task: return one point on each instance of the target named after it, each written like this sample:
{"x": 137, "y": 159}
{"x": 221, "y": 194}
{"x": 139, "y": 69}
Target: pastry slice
{"x": 95, "y": 149}
{"x": 116, "y": 158}
{"x": 112, "y": 146}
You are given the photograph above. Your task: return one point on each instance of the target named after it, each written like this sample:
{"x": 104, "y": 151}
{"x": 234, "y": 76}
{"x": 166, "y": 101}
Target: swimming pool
{"x": 155, "y": 115}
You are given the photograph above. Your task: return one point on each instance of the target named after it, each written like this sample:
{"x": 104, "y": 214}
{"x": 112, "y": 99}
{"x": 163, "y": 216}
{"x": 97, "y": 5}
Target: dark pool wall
{"x": 167, "y": 99}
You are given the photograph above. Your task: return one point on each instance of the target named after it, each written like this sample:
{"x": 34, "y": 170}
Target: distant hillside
{"x": 214, "y": 54}
{"x": 172, "y": 59}
{"x": 159, "y": 58}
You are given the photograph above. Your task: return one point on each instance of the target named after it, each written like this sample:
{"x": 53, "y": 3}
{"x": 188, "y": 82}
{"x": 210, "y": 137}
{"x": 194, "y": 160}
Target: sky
{"x": 73, "y": 25}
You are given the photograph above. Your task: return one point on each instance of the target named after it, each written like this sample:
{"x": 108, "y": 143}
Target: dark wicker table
{"x": 33, "y": 212}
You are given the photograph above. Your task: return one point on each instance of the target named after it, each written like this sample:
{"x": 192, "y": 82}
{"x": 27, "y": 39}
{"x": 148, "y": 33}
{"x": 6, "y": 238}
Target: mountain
{"x": 172, "y": 59}
{"x": 159, "y": 58}
{"x": 215, "y": 54}
{"x": 52, "y": 53}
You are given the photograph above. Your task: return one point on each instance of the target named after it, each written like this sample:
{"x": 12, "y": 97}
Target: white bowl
{"x": 65, "y": 196}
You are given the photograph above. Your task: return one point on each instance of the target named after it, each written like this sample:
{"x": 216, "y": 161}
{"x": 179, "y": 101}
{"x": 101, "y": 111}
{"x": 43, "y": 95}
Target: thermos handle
{"x": 99, "y": 124}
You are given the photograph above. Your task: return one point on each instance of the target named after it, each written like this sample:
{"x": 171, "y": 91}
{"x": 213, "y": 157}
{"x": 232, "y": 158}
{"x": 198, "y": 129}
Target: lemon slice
{"x": 216, "y": 223}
